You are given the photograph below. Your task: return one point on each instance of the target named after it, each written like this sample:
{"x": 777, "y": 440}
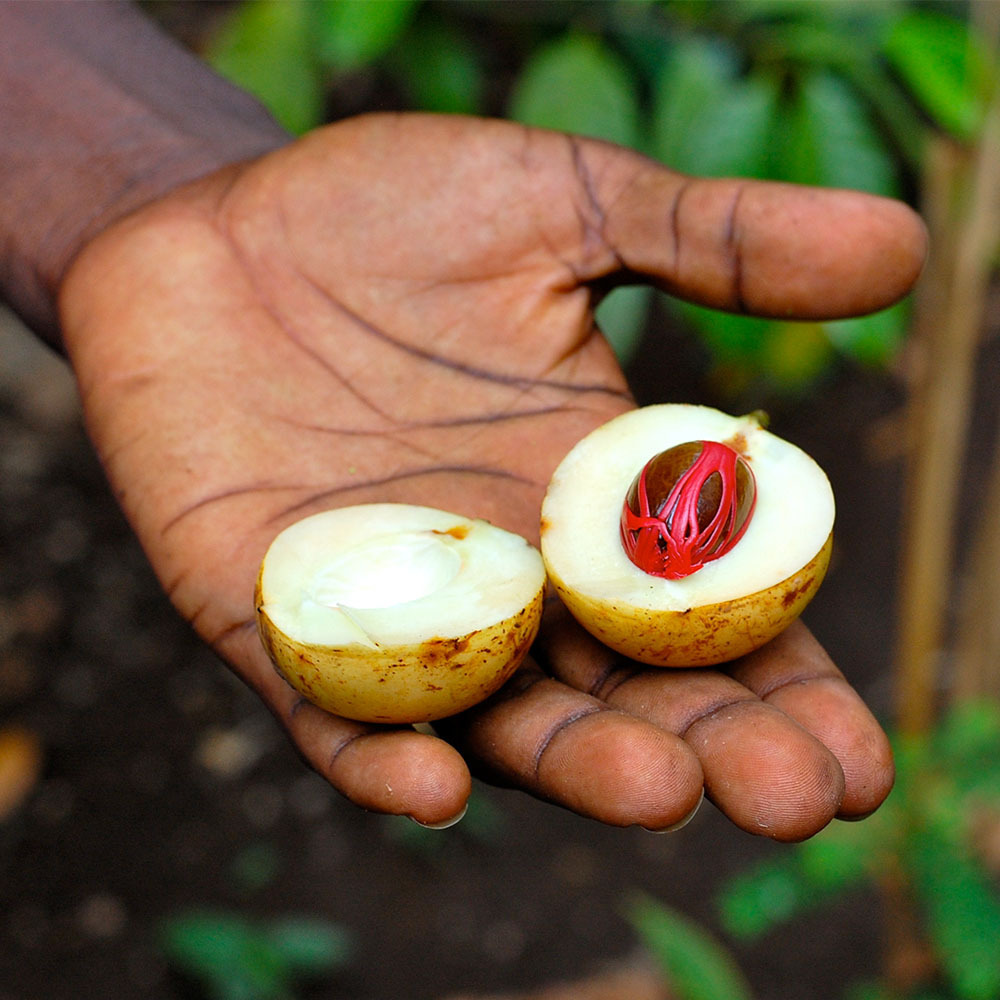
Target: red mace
{"x": 687, "y": 506}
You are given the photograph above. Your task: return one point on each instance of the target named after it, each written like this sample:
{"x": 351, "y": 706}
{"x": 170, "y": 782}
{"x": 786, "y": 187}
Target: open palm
{"x": 400, "y": 308}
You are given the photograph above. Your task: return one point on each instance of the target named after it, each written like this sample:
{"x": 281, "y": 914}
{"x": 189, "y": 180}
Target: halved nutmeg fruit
{"x": 397, "y": 613}
{"x": 681, "y": 536}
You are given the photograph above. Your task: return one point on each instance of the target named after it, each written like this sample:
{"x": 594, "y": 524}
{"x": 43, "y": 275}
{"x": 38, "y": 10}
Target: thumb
{"x": 758, "y": 247}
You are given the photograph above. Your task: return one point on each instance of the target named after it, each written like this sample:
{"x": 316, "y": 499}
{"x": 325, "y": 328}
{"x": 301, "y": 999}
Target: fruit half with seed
{"x": 683, "y": 537}
{"x": 396, "y": 613}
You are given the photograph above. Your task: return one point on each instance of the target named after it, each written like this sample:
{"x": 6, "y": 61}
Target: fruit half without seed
{"x": 757, "y": 580}
{"x": 397, "y": 613}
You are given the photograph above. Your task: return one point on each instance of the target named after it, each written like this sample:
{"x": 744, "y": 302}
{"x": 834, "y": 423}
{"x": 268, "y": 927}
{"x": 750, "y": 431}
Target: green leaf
{"x": 642, "y": 34}
{"x": 969, "y": 730}
{"x": 729, "y": 336}
{"x": 354, "y": 33}
{"x": 967, "y": 748}
{"x": 842, "y": 856}
{"x": 734, "y": 345}
{"x": 206, "y": 943}
{"x": 794, "y": 355}
{"x": 827, "y": 139}
{"x": 732, "y": 133}
{"x": 440, "y": 68}
{"x": 832, "y": 14}
{"x": 963, "y": 912}
{"x": 945, "y": 67}
{"x": 621, "y": 317}
{"x": 695, "y": 76}
{"x": 578, "y": 84}
{"x": 264, "y": 47}
{"x": 762, "y": 897}
{"x": 309, "y": 945}
{"x": 698, "y": 967}
{"x": 788, "y": 357}
{"x": 227, "y": 954}
{"x": 872, "y": 340}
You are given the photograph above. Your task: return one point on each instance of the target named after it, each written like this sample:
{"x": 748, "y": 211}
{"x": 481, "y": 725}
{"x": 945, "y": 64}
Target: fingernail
{"x": 444, "y": 824}
{"x": 680, "y": 824}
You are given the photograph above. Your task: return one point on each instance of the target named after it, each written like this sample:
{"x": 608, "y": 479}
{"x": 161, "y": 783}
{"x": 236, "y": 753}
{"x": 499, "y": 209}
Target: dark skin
{"x": 400, "y": 308}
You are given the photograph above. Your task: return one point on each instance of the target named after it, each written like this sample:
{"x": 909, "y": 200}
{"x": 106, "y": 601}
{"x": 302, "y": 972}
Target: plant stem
{"x": 977, "y": 643}
{"x": 935, "y": 436}
{"x": 963, "y": 214}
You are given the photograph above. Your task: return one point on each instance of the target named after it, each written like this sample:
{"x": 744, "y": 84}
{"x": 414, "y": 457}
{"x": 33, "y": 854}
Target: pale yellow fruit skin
{"x": 407, "y": 683}
{"x": 701, "y": 636}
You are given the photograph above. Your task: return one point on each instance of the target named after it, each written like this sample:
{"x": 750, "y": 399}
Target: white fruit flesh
{"x": 398, "y": 613}
{"x": 790, "y": 527}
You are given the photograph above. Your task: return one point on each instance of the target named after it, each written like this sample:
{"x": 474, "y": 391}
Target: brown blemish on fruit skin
{"x": 792, "y": 597}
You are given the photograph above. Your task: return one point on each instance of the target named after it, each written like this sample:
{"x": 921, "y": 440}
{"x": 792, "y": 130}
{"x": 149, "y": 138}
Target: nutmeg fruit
{"x": 397, "y": 613}
{"x": 681, "y": 536}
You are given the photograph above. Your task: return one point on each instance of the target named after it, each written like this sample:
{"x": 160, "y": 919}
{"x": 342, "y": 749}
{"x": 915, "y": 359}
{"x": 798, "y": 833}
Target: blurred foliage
{"x": 695, "y": 964}
{"x": 255, "y": 867}
{"x": 936, "y": 840}
{"x": 234, "y": 958}
{"x": 840, "y": 93}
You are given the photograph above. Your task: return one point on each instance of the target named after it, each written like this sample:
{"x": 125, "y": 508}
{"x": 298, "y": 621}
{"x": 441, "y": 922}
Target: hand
{"x": 400, "y": 308}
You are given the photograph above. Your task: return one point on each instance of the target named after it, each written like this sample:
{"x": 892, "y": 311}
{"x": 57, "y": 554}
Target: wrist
{"x": 100, "y": 113}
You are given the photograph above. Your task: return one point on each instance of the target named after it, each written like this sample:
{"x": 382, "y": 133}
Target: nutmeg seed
{"x": 687, "y": 506}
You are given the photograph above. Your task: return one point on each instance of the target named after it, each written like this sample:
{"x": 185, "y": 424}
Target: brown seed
{"x": 665, "y": 469}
